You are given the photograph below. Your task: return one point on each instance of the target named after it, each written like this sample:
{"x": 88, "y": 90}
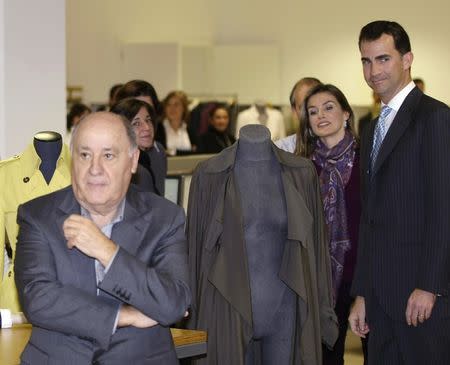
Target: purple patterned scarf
{"x": 336, "y": 167}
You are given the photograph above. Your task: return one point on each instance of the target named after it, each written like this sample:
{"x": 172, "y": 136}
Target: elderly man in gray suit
{"x": 101, "y": 267}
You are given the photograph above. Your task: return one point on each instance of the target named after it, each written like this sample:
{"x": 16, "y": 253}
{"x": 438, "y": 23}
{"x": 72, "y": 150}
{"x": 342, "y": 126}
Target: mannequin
{"x": 258, "y": 256}
{"x": 258, "y": 177}
{"x": 48, "y": 146}
{"x": 43, "y": 167}
{"x": 260, "y": 113}
{"x": 261, "y": 108}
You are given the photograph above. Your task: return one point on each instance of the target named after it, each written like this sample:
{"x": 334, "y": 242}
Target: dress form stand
{"x": 48, "y": 146}
{"x": 258, "y": 178}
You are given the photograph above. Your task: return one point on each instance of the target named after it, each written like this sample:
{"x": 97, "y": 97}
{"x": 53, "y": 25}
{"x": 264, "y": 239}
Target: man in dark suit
{"x": 402, "y": 277}
{"x": 101, "y": 267}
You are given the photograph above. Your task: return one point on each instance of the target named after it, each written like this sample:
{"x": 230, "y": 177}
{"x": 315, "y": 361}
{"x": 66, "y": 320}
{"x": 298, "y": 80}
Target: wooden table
{"x": 13, "y": 340}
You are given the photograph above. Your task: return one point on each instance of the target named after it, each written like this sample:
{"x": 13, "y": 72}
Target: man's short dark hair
{"x": 376, "y": 29}
{"x": 310, "y": 81}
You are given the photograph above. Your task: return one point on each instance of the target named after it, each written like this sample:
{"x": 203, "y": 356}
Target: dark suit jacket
{"x": 217, "y": 260}
{"x": 405, "y": 223}
{"x": 57, "y": 285}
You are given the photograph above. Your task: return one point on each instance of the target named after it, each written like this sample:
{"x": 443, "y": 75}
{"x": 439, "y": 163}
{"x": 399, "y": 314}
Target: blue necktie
{"x": 379, "y": 134}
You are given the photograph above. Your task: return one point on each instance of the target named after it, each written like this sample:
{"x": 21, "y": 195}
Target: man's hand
{"x": 419, "y": 307}
{"x": 83, "y": 234}
{"x": 357, "y": 318}
{"x": 130, "y": 316}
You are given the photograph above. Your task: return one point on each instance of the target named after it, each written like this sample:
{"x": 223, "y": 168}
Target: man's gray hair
{"x": 125, "y": 122}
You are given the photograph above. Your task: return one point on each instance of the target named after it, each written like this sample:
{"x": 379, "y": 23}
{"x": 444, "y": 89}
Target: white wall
{"x": 314, "y": 38}
{"x": 97, "y": 29}
{"x": 2, "y": 80}
{"x": 32, "y": 76}
{"x": 158, "y": 62}
{"x": 251, "y": 71}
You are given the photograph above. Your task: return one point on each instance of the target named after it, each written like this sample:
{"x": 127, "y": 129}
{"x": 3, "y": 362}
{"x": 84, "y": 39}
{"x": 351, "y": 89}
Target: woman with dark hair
{"x": 143, "y": 120}
{"x": 143, "y": 90}
{"x": 217, "y": 137}
{"x": 77, "y": 111}
{"x": 327, "y": 137}
{"x": 176, "y": 119}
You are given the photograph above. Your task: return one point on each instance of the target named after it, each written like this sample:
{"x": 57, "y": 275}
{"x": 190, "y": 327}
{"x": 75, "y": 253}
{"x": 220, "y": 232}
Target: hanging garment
{"x": 20, "y": 181}
{"x": 218, "y": 265}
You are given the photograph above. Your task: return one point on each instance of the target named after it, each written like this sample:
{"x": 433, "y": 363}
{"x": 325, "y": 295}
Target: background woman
{"x": 143, "y": 90}
{"x": 217, "y": 137}
{"x": 176, "y": 118}
{"x": 143, "y": 120}
{"x": 326, "y": 136}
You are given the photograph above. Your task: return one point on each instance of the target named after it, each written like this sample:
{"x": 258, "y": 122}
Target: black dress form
{"x": 258, "y": 177}
{"x": 48, "y": 146}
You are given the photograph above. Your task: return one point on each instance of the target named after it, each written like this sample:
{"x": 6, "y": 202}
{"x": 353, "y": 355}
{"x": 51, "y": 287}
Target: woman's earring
{"x": 311, "y": 133}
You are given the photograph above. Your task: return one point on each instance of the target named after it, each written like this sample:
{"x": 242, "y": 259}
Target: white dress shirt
{"x": 396, "y": 102}
{"x": 287, "y": 143}
{"x": 275, "y": 121}
{"x": 176, "y": 139}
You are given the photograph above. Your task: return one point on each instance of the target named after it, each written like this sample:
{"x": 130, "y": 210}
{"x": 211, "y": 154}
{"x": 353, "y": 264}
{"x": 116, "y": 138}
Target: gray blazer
{"x": 57, "y": 286}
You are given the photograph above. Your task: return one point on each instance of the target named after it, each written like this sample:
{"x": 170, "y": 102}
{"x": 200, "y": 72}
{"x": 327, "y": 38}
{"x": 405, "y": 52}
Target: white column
{"x": 32, "y": 71}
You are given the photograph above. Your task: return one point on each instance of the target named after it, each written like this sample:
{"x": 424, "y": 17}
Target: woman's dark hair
{"x": 306, "y": 140}
{"x": 129, "y": 107}
{"x": 216, "y": 107}
{"x": 374, "y": 30}
{"x": 77, "y": 110}
{"x": 181, "y": 95}
{"x": 135, "y": 88}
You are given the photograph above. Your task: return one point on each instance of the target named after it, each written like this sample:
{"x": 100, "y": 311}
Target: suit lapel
{"x": 129, "y": 233}
{"x": 366, "y": 149}
{"x": 398, "y": 128}
{"x": 83, "y": 266}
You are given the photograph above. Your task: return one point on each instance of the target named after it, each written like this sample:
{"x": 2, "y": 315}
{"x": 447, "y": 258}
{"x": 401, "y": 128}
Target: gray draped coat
{"x": 218, "y": 265}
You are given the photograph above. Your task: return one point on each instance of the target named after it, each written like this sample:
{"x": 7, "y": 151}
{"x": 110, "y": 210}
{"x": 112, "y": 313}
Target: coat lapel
{"x": 300, "y": 225}
{"x": 229, "y": 273}
{"x": 215, "y": 228}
